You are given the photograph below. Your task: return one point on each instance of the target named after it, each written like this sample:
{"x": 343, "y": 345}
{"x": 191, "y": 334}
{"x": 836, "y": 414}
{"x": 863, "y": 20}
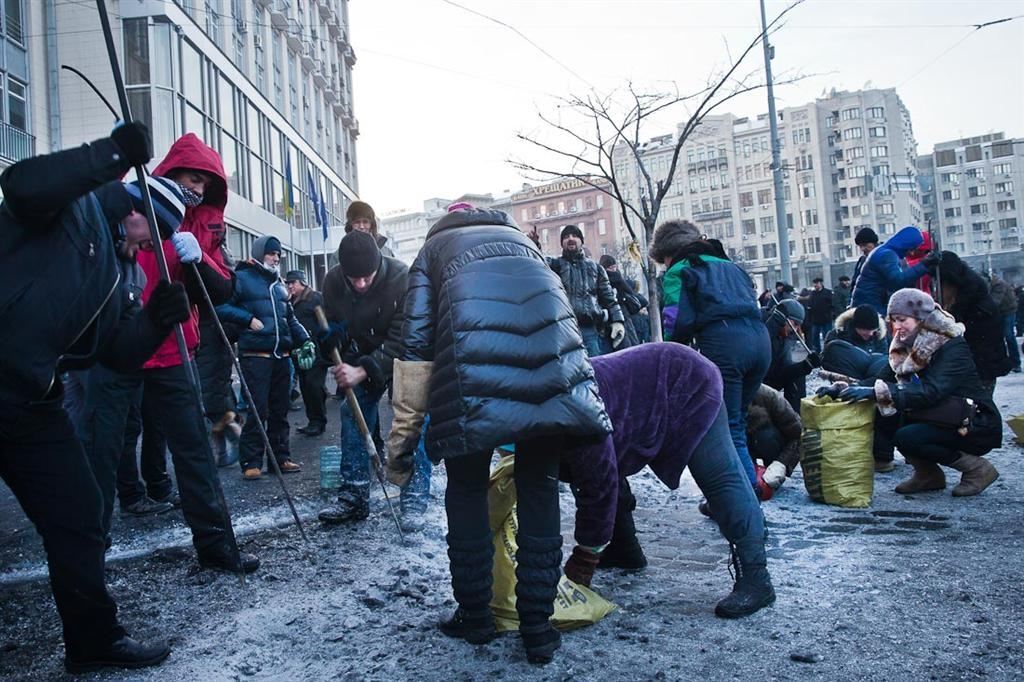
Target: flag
{"x": 289, "y": 199}
{"x": 319, "y": 208}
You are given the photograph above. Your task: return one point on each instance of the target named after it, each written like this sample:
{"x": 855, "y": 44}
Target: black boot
{"x": 538, "y": 570}
{"x": 124, "y": 653}
{"x": 350, "y": 507}
{"x": 752, "y": 590}
{"x": 624, "y": 550}
{"x": 471, "y": 565}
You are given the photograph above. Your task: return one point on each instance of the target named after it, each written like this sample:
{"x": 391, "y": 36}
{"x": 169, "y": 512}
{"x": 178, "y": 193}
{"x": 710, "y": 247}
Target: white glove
{"x": 187, "y": 247}
{"x": 618, "y": 334}
{"x": 775, "y": 475}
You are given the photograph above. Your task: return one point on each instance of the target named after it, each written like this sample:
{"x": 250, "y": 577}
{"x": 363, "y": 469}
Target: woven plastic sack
{"x": 835, "y": 451}
{"x": 575, "y": 605}
{"x": 1016, "y": 425}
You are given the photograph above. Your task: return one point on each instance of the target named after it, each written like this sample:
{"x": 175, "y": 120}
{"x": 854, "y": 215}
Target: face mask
{"x": 192, "y": 199}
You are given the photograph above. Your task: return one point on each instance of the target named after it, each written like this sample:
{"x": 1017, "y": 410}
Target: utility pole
{"x": 773, "y": 127}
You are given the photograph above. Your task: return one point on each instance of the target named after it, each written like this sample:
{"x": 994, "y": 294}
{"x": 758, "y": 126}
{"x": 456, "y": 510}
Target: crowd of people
{"x": 483, "y": 342}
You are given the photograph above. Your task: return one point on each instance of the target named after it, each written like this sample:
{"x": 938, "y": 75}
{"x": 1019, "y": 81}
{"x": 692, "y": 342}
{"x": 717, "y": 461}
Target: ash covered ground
{"x": 915, "y": 587}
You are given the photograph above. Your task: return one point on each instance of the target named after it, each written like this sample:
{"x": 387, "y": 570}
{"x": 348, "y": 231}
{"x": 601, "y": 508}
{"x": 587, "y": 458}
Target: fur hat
{"x": 865, "y": 317}
{"x": 358, "y": 254}
{"x": 168, "y": 203}
{"x": 911, "y": 303}
{"x": 264, "y": 245}
{"x": 607, "y": 261}
{"x": 570, "y": 230}
{"x": 865, "y": 236}
{"x": 295, "y": 276}
{"x": 671, "y": 237}
{"x": 360, "y": 209}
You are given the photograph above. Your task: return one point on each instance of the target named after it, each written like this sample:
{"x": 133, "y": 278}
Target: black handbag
{"x": 952, "y": 413}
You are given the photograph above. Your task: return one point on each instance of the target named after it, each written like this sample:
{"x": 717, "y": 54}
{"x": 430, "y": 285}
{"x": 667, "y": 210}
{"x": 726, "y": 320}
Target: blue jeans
{"x": 818, "y": 332}
{"x": 741, "y": 350}
{"x": 355, "y": 460}
{"x": 1009, "y": 321}
{"x": 594, "y": 341}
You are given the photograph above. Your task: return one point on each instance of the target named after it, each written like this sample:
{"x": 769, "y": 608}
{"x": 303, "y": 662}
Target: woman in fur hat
{"x": 930, "y": 377}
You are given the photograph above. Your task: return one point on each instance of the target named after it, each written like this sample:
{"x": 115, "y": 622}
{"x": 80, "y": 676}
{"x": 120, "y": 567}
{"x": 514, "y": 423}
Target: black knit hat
{"x": 358, "y": 254}
{"x": 865, "y": 236}
{"x": 607, "y": 261}
{"x": 865, "y": 317}
{"x": 570, "y": 230}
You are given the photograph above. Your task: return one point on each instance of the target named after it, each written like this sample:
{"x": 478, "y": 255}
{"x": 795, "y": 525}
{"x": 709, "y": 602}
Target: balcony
{"x": 319, "y": 76}
{"x": 712, "y": 215}
{"x": 325, "y": 10}
{"x": 308, "y": 56}
{"x": 294, "y": 35}
{"x": 350, "y": 55}
{"x": 15, "y": 144}
{"x": 279, "y": 14}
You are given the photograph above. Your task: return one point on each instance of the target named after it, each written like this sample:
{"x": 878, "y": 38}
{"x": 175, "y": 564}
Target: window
{"x": 750, "y": 253}
{"x": 730, "y": 231}
{"x": 978, "y": 227}
{"x": 16, "y": 103}
{"x": 1004, "y": 186}
{"x": 746, "y": 199}
{"x": 855, "y": 153}
{"x": 1006, "y": 223}
{"x": 946, "y": 157}
{"x": 1002, "y": 169}
{"x": 602, "y": 227}
{"x": 805, "y": 162}
{"x": 749, "y": 227}
{"x": 977, "y": 173}
{"x": 954, "y": 230}
{"x": 849, "y": 114}
{"x": 812, "y": 245}
{"x": 861, "y": 210}
{"x": 953, "y": 212}
{"x": 878, "y": 151}
{"x": 12, "y": 20}
{"x": 767, "y": 225}
{"x": 770, "y": 250}
{"x": 764, "y": 197}
{"x": 858, "y": 172}
{"x": 801, "y": 135}
{"x": 852, "y": 133}
{"x": 978, "y": 209}
{"x": 950, "y": 194}
{"x": 876, "y": 112}
{"x": 809, "y": 217}
{"x": 807, "y": 189}
{"x": 973, "y": 153}
{"x": 876, "y": 131}
{"x": 978, "y": 191}
{"x": 886, "y": 209}
{"x": 1010, "y": 205}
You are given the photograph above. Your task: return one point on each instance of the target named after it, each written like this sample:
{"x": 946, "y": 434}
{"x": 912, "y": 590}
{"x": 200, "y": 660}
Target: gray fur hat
{"x": 911, "y": 303}
{"x": 670, "y": 237}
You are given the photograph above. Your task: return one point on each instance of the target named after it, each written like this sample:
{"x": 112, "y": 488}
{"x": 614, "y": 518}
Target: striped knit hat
{"x": 168, "y": 203}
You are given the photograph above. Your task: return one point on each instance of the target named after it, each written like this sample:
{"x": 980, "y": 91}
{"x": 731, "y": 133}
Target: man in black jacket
{"x": 590, "y": 295}
{"x": 819, "y": 310}
{"x": 64, "y": 308}
{"x": 305, "y": 300}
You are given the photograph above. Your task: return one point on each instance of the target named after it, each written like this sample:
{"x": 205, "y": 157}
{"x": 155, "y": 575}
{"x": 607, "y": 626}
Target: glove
{"x": 335, "y": 336}
{"x": 932, "y": 260}
{"x": 855, "y": 394}
{"x": 832, "y": 391}
{"x": 775, "y": 475}
{"x": 814, "y": 360}
{"x": 305, "y": 356}
{"x": 763, "y": 491}
{"x": 134, "y": 141}
{"x": 187, "y": 247}
{"x": 411, "y": 393}
{"x": 580, "y": 565}
{"x": 618, "y": 334}
{"x": 168, "y": 304}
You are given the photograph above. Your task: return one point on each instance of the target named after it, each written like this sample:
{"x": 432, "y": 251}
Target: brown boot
{"x": 977, "y": 474}
{"x": 927, "y": 476}
{"x": 219, "y": 425}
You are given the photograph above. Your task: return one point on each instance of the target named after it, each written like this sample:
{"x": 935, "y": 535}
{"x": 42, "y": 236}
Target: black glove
{"x": 855, "y": 394}
{"x": 932, "y": 260}
{"x": 814, "y": 360}
{"x": 168, "y": 304}
{"x": 135, "y": 142}
{"x": 832, "y": 391}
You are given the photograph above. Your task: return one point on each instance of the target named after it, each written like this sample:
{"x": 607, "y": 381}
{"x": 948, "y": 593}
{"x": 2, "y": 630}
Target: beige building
{"x": 551, "y": 206}
{"x": 268, "y": 83}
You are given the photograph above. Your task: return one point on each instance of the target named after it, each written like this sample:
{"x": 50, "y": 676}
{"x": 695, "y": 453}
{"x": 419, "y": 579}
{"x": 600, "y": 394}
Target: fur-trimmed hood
{"x": 933, "y": 333}
{"x": 846, "y": 317}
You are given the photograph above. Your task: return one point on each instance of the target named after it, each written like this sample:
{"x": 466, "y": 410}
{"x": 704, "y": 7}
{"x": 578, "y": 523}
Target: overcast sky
{"x": 441, "y": 92}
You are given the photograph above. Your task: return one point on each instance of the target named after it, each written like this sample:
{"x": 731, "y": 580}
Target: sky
{"x": 441, "y": 92}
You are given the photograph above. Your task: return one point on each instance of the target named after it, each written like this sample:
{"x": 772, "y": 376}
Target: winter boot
{"x": 222, "y": 423}
{"x": 752, "y": 590}
{"x": 538, "y": 570}
{"x": 927, "y": 476}
{"x": 977, "y": 474}
{"x": 471, "y": 564}
{"x": 349, "y": 508}
{"x": 624, "y": 550}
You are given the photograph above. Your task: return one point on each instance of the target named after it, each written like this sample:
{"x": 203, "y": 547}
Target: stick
{"x": 165, "y": 274}
{"x": 357, "y": 412}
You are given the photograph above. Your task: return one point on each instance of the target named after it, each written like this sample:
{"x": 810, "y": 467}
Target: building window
{"x": 954, "y": 230}
{"x": 809, "y": 217}
{"x": 12, "y": 21}
{"x": 978, "y": 209}
{"x": 878, "y": 151}
{"x": 1002, "y": 169}
{"x": 767, "y": 224}
{"x": 852, "y": 133}
{"x": 849, "y": 114}
{"x": 17, "y": 104}
{"x": 749, "y": 227}
{"x": 769, "y": 250}
{"x": 801, "y": 135}
{"x": 976, "y": 173}
{"x": 954, "y": 212}
{"x": 876, "y": 112}
{"x": 876, "y": 131}
{"x": 602, "y": 227}
{"x": 950, "y": 194}
{"x": 978, "y": 191}
{"x": 1007, "y": 223}
{"x": 764, "y": 197}
{"x": 1009, "y": 205}
{"x": 746, "y": 199}
{"x": 858, "y": 172}
{"x": 1004, "y": 186}
{"x": 750, "y": 253}
{"x": 885, "y": 209}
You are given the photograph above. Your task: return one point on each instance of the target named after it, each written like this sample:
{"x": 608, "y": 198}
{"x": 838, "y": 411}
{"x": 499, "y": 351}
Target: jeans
{"x": 42, "y": 462}
{"x": 594, "y": 341}
{"x": 817, "y": 335}
{"x": 269, "y": 381}
{"x": 1009, "y": 321}
{"x": 742, "y": 352}
{"x": 932, "y": 443}
{"x": 416, "y": 493}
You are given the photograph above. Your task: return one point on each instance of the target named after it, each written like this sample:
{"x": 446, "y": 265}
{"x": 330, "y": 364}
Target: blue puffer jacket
{"x": 882, "y": 275}
{"x": 716, "y": 290}
{"x": 260, "y": 293}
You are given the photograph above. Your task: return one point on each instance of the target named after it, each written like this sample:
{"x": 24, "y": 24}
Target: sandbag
{"x": 1016, "y": 425}
{"x": 835, "y": 451}
{"x": 575, "y": 605}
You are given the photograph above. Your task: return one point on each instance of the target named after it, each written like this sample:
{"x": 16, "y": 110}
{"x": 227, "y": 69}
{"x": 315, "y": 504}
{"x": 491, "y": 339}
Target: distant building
{"x": 551, "y": 206}
{"x": 407, "y": 230}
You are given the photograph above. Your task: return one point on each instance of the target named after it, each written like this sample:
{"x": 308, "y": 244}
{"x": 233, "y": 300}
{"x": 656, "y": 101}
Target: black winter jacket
{"x": 305, "y": 306}
{"x": 261, "y": 294}
{"x": 509, "y": 361}
{"x": 819, "y": 306}
{"x": 979, "y": 313}
{"x": 586, "y": 284}
{"x": 843, "y": 330}
{"x": 62, "y": 300}
{"x": 373, "y": 320}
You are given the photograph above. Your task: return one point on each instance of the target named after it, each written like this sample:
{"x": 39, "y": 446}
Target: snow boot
{"x": 471, "y": 564}
{"x": 927, "y": 476}
{"x": 752, "y": 590}
{"x": 538, "y": 570}
{"x": 977, "y": 474}
{"x": 348, "y": 508}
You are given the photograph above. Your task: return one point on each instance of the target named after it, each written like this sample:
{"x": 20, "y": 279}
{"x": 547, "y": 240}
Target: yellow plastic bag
{"x": 835, "y": 451}
{"x": 575, "y": 605}
{"x": 1016, "y": 425}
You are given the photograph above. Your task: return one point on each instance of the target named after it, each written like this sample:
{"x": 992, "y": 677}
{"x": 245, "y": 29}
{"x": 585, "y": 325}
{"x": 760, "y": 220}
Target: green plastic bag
{"x": 575, "y": 605}
{"x": 835, "y": 451}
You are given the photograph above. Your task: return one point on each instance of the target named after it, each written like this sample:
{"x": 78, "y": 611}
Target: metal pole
{"x": 773, "y": 128}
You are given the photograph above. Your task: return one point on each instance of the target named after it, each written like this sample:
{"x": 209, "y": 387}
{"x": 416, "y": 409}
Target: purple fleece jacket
{"x": 662, "y": 399}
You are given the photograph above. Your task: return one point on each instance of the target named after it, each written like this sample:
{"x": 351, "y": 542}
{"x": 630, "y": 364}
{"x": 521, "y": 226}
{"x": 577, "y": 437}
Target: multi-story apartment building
{"x": 267, "y": 83}
{"x": 847, "y": 161}
{"x": 18, "y": 79}
{"x": 969, "y": 190}
{"x": 407, "y": 230}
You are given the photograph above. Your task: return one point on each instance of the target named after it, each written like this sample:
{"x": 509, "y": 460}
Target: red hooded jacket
{"x": 205, "y": 221}
{"x": 916, "y": 256}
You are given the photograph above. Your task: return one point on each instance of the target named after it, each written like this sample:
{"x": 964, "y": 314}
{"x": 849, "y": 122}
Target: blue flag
{"x": 319, "y": 208}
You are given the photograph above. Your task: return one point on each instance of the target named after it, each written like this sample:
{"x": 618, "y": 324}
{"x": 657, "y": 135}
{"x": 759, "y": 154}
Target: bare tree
{"x": 612, "y": 126}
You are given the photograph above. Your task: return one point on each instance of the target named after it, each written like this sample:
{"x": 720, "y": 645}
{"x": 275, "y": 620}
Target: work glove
{"x": 855, "y": 394}
{"x": 134, "y": 141}
{"x": 775, "y": 475}
{"x": 187, "y": 247}
{"x": 305, "y": 356}
{"x": 168, "y": 304}
{"x": 832, "y": 391}
{"x": 618, "y": 334}
{"x": 410, "y": 395}
{"x": 932, "y": 260}
{"x": 763, "y": 491}
{"x": 335, "y": 336}
{"x": 580, "y": 565}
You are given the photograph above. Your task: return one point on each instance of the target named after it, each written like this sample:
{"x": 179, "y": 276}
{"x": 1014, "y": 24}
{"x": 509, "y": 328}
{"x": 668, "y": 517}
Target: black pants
{"x": 213, "y": 360}
{"x": 143, "y": 420}
{"x": 44, "y": 465}
{"x": 269, "y": 381}
{"x": 932, "y": 443}
{"x": 766, "y": 444}
{"x": 314, "y": 392}
{"x": 536, "y": 479}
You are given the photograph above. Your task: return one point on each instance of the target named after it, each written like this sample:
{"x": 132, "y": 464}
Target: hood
{"x": 188, "y": 151}
{"x": 476, "y": 216}
{"x": 904, "y": 241}
{"x": 921, "y": 251}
